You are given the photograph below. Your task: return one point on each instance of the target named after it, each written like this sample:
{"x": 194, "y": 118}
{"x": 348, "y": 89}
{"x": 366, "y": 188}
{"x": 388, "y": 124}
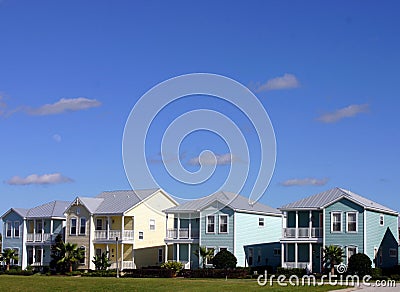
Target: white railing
{"x": 302, "y": 232}
{"x": 125, "y": 265}
{"x": 112, "y": 234}
{"x": 37, "y": 237}
{"x": 182, "y": 234}
{"x": 292, "y": 265}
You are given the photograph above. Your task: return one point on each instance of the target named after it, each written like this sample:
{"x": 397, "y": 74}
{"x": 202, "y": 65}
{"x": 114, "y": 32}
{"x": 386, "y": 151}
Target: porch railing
{"x": 182, "y": 233}
{"x": 302, "y": 232}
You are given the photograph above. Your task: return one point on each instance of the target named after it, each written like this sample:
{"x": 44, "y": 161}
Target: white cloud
{"x": 209, "y": 159}
{"x": 57, "y": 138}
{"x": 64, "y": 105}
{"x": 35, "y": 179}
{"x": 286, "y": 81}
{"x": 347, "y": 112}
{"x": 304, "y": 182}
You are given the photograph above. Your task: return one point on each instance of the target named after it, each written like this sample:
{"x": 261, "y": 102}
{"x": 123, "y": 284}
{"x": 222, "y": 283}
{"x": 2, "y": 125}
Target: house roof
{"x": 232, "y": 200}
{"x": 20, "y": 211}
{"x": 50, "y": 210}
{"x": 323, "y": 199}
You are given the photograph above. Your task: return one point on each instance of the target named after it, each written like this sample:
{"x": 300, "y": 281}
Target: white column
{"x": 133, "y": 256}
{"x": 310, "y": 252}
{"x": 179, "y": 226}
{"x": 51, "y": 226}
{"x": 282, "y": 254}
{"x": 41, "y": 255}
{"x": 122, "y": 227}
{"x": 33, "y": 254}
{"x": 295, "y": 254}
{"x": 42, "y": 233}
{"x": 108, "y": 227}
{"x": 297, "y": 224}
{"x": 190, "y": 226}
{"x": 122, "y": 256}
{"x": 166, "y": 225}
{"x": 34, "y": 230}
{"x": 177, "y": 252}
{"x": 309, "y": 224}
{"x": 189, "y": 252}
{"x": 166, "y": 253}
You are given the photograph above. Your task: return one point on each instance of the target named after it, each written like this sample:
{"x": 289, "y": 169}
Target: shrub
{"x": 359, "y": 264}
{"x": 224, "y": 260}
{"x": 173, "y": 266}
{"x": 376, "y": 273}
{"x": 289, "y": 272}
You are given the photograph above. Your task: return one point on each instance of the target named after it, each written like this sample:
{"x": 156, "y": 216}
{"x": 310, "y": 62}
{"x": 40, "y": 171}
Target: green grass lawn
{"x": 59, "y": 283}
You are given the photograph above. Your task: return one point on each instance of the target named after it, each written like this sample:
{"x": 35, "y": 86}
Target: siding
{"x": 343, "y": 238}
{"x": 14, "y": 242}
{"x": 248, "y": 232}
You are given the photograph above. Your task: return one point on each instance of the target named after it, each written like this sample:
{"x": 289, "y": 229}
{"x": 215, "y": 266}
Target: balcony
{"x": 302, "y": 232}
{"x": 39, "y": 237}
{"x": 182, "y": 233}
{"x": 293, "y": 265}
{"x": 125, "y": 265}
{"x": 113, "y": 234}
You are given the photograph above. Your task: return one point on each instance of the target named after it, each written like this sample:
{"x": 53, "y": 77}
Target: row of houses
{"x": 148, "y": 227}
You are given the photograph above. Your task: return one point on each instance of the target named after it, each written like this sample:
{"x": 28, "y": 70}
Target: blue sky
{"x": 71, "y": 71}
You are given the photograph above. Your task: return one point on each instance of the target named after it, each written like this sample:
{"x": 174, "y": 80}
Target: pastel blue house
{"x": 338, "y": 217}
{"x": 225, "y": 220}
{"x": 31, "y": 232}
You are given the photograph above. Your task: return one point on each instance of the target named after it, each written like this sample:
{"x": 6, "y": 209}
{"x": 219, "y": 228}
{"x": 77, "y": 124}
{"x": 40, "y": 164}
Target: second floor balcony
{"x": 302, "y": 232}
{"x": 182, "y": 233}
{"x": 113, "y": 234}
{"x": 40, "y": 237}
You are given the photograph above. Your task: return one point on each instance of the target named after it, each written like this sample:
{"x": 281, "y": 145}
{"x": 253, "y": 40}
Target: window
{"x": 250, "y": 256}
{"x": 82, "y": 260}
{"x": 351, "y": 250}
{"x": 39, "y": 226}
{"x": 223, "y": 224}
{"x": 82, "y": 226}
{"x": 259, "y": 255}
{"x": 72, "y": 227}
{"x": 152, "y": 224}
{"x": 9, "y": 229}
{"x": 336, "y": 222}
{"x": 99, "y": 224}
{"x": 392, "y": 252}
{"x": 160, "y": 255}
{"x": 15, "y": 262}
{"x": 277, "y": 252}
{"x": 261, "y": 222}
{"x": 381, "y": 220}
{"x": 223, "y": 248}
{"x": 210, "y": 224}
{"x": 210, "y": 248}
{"x": 98, "y": 252}
{"x": 352, "y": 222}
{"x": 16, "y": 229}
{"x": 141, "y": 236}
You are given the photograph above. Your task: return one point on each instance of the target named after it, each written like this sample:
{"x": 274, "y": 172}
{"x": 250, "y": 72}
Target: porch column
{"x": 297, "y": 224}
{"x": 310, "y": 255}
{"x": 122, "y": 256}
{"x": 51, "y": 226}
{"x": 166, "y": 253}
{"x": 166, "y": 225}
{"x": 42, "y": 232}
{"x": 177, "y": 252}
{"x": 310, "y": 224}
{"x": 33, "y": 254}
{"x": 41, "y": 255}
{"x": 108, "y": 228}
{"x": 295, "y": 254}
{"x": 189, "y": 249}
{"x": 282, "y": 254}
{"x": 34, "y": 230}
{"x": 190, "y": 227}
{"x": 179, "y": 226}
{"x": 122, "y": 227}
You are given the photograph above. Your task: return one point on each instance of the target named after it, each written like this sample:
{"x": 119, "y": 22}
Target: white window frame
{"x": 160, "y": 257}
{"x": 80, "y": 226}
{"x": 9, "y": 227}
{"x": 277, "y": 252}
{"x": 17, "y": 229}
{"x": 210, "y": 247}
{"x": 84, "y": 255}
{"x": 394, "y": 254}
{"x": 214, "y": 223}
{"x": 341, "y": 221}
{"x": 381, "y": 220}
{"x": 347, "y": 222}
{"x": 261, "y": 219}
{"x": 142, "y": 235}
{"x": 347, "y": 251}
{"x": 227, "y": 224}
{"x": 222, "y": 248}
{"x": 76, "y": 226}
{"x": 152, "y": 227}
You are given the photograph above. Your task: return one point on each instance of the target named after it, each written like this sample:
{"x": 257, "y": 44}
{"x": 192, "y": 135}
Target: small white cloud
{"x": 304, "y": 182}
{"x": 65, "y": 105}
{"x": 57, "y": 138}
{"x": 209, "y": 159}
{"x": 287, "y": 81}
{"x": 34, "y": 179}
{"x": 347, "y": 112}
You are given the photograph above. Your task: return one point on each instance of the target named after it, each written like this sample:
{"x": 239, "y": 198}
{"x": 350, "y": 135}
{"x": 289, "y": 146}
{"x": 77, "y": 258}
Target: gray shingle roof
{"x": 325, "y": 198}
{"x": 232, "y": 200}
{"x": 48, "y": 210}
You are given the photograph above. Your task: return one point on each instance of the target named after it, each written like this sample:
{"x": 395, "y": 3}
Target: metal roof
{"x": 231, "y": 200}
{"x": 323, "y": 199}
{"x": 48, "y": 210}
{"x": 20, "y": 211}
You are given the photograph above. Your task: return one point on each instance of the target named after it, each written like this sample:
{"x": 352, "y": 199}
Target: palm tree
{"x": 205, "y": 254}
{"x": 333, "y": 255}
{"x": 72, "y": 254}
{"x": 7, "y": 256}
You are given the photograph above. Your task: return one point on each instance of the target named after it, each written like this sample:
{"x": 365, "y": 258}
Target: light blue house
{"x": 31, "y": 232}
{"x": 338, "y": 217}
{"x": 225, "y": 221}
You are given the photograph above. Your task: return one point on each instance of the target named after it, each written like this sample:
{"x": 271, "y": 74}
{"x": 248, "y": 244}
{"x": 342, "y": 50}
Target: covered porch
{"x": 302, "y": 255}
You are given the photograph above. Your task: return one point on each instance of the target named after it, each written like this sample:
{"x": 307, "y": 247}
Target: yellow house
{"x": 129, "y": 225}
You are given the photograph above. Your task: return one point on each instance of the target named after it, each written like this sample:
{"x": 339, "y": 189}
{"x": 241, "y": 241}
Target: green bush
{"x": 224, "y": 260}
{"x": 376, "y": 272}
{"x": 173, "y": 266}
{"x": 359, "y": 264}
{"x": 289, "y": 272}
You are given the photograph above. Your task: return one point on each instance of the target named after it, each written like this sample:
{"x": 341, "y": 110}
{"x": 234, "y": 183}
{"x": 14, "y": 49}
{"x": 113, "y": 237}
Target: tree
{"x": 7, "y": 256}
{"x": 205, "y": 254}
{"x": 57, "y": 253}
{"x": 71, "y": 254}
{"x": 359, "y": 264}
{"x": 224, "y": 260}
{"x": 333, "y": 255}
{"x": 101, "y": 262}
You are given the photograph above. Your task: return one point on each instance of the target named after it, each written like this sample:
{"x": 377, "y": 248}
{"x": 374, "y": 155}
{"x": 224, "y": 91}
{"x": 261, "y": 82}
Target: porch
{"x": 302, "y": 255}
